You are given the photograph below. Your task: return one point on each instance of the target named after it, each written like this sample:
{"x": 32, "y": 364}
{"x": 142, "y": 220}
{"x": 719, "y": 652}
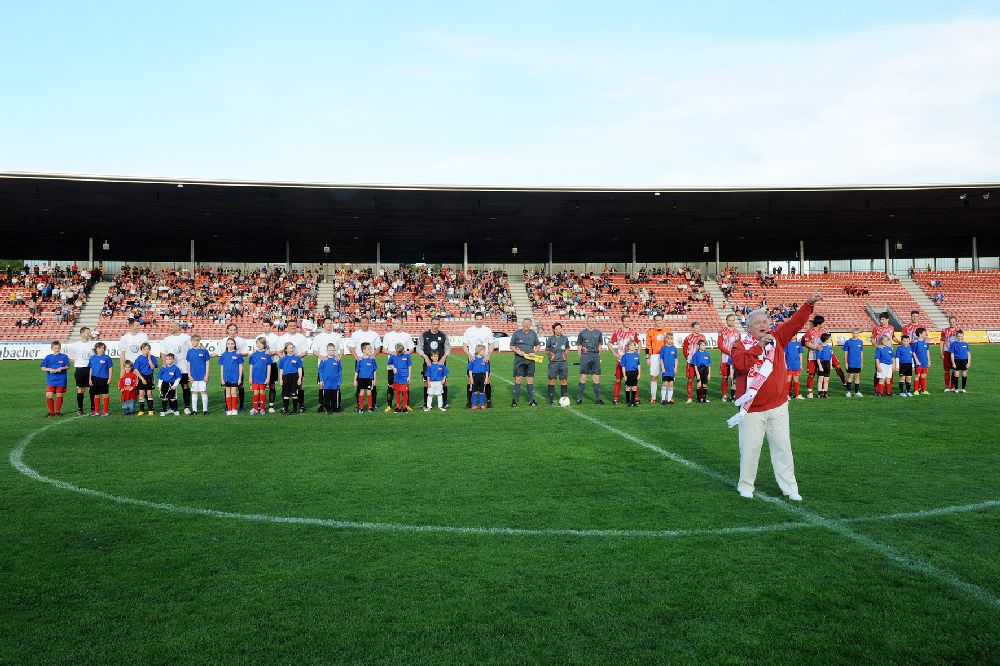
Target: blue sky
{"x": 641, "y": 94}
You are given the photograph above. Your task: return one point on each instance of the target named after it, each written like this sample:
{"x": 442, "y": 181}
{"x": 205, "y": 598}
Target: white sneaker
{"x": 725, "y": 399}
{"x": 442, "y": 409}
{"x": 689, "y": 401}
{"x": 270, "y": 410}
{"x": 795, "y": 497}
{"x": 708, "y": 401}
{"x": 810, "y": 396}
{"x": 849, "y": 394}
{"x": 187, "y": 411}
{"x": 859, "y": 395}
{"x": 176, "y": 413}
{"x": 748, "y": 495}
{"x": 800, "y": 397}
{"x": 163, "y": 413}
{"x": 963, "y": 390}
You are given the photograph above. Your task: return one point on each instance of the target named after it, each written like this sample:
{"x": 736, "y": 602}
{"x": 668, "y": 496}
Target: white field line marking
{"x": 927, "y": 513}
{"x": 837, "y": 526}
{"x": 17, "y": 461}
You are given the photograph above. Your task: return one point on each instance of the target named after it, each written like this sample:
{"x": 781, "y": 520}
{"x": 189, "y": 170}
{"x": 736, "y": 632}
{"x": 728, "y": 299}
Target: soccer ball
{"x": 564, "y": 401}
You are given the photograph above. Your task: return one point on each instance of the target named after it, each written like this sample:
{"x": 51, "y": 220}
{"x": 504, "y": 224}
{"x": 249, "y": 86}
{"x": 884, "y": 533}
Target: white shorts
{"x": 435, "y": 388}
{"x": 884, "y": 371}
{"x": 655, "y": 362}
{"x": 199, "y": 387}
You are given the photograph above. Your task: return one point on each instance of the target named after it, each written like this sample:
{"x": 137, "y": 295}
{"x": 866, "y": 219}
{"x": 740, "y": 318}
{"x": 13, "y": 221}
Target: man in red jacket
{"x": 767, "y": 412}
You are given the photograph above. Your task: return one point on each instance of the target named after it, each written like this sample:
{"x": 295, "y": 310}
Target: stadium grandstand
{"x": 306, "y": 251}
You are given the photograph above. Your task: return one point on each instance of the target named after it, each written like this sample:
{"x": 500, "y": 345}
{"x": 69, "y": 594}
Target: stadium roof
{"x": 52, "y": 216}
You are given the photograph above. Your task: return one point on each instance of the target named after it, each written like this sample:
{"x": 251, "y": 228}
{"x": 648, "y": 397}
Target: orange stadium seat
{"x": 970, "y": 296}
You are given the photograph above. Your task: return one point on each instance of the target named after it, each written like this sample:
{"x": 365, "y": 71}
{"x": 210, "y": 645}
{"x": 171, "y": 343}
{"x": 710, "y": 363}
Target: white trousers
{"x": 753, "y": 428}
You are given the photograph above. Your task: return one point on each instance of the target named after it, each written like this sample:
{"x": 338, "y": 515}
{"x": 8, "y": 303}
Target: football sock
{"x": 579, "y": 391}
{"x": 652, "y": 389}
{"x": 59, "y": 402}
{"x": 51, "y": 404}
{"x": 444, "y": 394}
{"x": 517, "y": 392}
{"x": 468, "y": 394}
{"x": 965, "y": 380}
{"x": 240, "y": 393}
{"x": 840, "y": 373}
{"x": 301, "y": 395}
{"x": 810, "y": 381}
{"x": 690, "y": 388}
{"x": 902, "y": 387}
{"x": 663, "y": 393}
{"x": 271, "y": 394}
{"x": 186, "y": 393}
{"x": 618, "y": 388}
{"x": 371, "y": 400}
{"x": 373, "y": 396}
{"x": 389, "y": 395}
{"x": 597, "y": 391}
{"x": 488, "y": 396}
{"x": 531, "y": 392}
{"x": 725, "y": 387}
{"x": 552, "y": 392}
{"x": 563, "y": 390}
{"x": 79, "y": 401}
{"x": 670, "y": 394}
{"x": 97, "y": 403}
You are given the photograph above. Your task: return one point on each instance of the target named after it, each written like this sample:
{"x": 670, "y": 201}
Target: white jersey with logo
{"x": 358, "y": 337}
{"x": 128, "y": 346}
{"x": 392, "y": 338}
{"x": 300, "y": 341}
{"x": 474, "y": 337}
{"x": 178, "y": 345}
{"x": 241, "y": 345}
{"x": 273, "y": 345}
{"x": 321, "y": 340}
{"x": 80, "y": 351}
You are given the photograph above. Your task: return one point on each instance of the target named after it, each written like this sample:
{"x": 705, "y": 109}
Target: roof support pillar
{"x": 549, "y": 270}
{"x": 717, "y": 271}
{"x": 288, "y": 256}
{"x": 888, "y": 269}
{"x": 192, "y": 257}
{"x": 635, "y": 267}
{"x": 975, "y": 255}
{"x": 465, "y": 258}
{"x": 378, "y": 258}
{"x": 802, "y": 257}
{"x": 90, "y": 253}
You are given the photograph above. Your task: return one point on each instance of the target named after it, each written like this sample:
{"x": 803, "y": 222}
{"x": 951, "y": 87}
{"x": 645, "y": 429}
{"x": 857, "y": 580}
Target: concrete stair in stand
{"x": 933, "y": 310}
{"x": 519, "y": 294}
{"x": 90, "y": 314}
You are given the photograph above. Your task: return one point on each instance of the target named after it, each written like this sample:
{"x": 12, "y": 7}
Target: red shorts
{"x": 920, "y": 371}
{"x": 258, "y": 387}
{"x": 794, "y": 373}
{"x": 399, "y": 387}
{"x": 724, "y": 369}
{"x": 811, "y": 367}
{"x": 55, "y": 389}
{"x": 690, "y": 373}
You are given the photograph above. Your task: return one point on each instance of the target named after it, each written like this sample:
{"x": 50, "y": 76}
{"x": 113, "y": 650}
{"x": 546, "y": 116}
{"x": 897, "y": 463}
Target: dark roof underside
{"x": 145, "y": 219}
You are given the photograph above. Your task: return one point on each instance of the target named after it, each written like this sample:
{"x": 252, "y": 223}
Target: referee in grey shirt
{"x": 589, "y": 342}
{"x": 524, "y": 341}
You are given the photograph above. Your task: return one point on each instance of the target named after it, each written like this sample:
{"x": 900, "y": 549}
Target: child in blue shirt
{"x": 668, "y": 365}
{"x": 169, "y": 377}
{"x": 961, "y": 359}
{"x": 921, "y": 351}
{"x": 199, "y": 360}
{"x": 365, "y": 371}
{"x": 883, "y": 363}
{"x": 854, "y": 355}
{"x": 793, "y": 368}
{"x": 331, "y": 375}
{"x": 477, "y": 368}
{"x": 290, "y": 378}
{"x": 702, "y": 362}
{"x": 101, "y": 371}
{"x": 56, "y": 367}
{"x": 260, "y": 376}
{"x": 146, "y": 364}
{"x": 905, "y": 361}
{"x": 231, "y": 361}
{"x": 400, "y": 363}
{"x": 437, "y": 377}
{"x": 630, "y": 364}
{"x": 824, "y": 359}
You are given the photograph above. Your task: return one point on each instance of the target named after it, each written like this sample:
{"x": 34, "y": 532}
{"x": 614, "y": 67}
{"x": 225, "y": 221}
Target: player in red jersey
{"x": 619, "y": 342}
{"x": 727, "y": 336}
{"x": 884, "y": 329}
{"x": 911, "y": 328}
{"x": 810, "y": 340}
{"x": 689, "y": 347}
{"x": 948, "y": 337}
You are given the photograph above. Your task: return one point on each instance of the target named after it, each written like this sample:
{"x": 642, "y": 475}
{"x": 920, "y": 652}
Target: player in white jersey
{"x": 396, "y": 336}
{"x": 131, "y": 342}
{"x": 80, "y": 353}
{"x": 300, "y": 340}
{"x": 242, "y": 346}
{"x": 327, "y": 336}
{"x": 178, "y": 344}
{"x": 361, "y": 335}
{"x": 273, "y": 347}
{"x": 476, "y": 335}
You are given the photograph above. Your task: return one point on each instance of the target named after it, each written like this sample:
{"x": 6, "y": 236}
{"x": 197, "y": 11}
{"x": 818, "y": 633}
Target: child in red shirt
{"x": 128, "y": 384}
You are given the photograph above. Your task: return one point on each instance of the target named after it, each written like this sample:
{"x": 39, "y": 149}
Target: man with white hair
{"x": 758, "y": 356}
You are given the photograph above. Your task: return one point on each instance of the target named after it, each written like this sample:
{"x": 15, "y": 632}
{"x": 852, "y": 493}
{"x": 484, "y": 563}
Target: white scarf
{"x": 756, "y": 377}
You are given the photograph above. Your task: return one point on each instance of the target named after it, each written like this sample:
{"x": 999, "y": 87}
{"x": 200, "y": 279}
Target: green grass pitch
{"x": 615, "y": 552}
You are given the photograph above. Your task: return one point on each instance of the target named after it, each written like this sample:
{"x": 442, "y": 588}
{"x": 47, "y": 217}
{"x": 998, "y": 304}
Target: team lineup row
{"x": 275, "y": 362}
